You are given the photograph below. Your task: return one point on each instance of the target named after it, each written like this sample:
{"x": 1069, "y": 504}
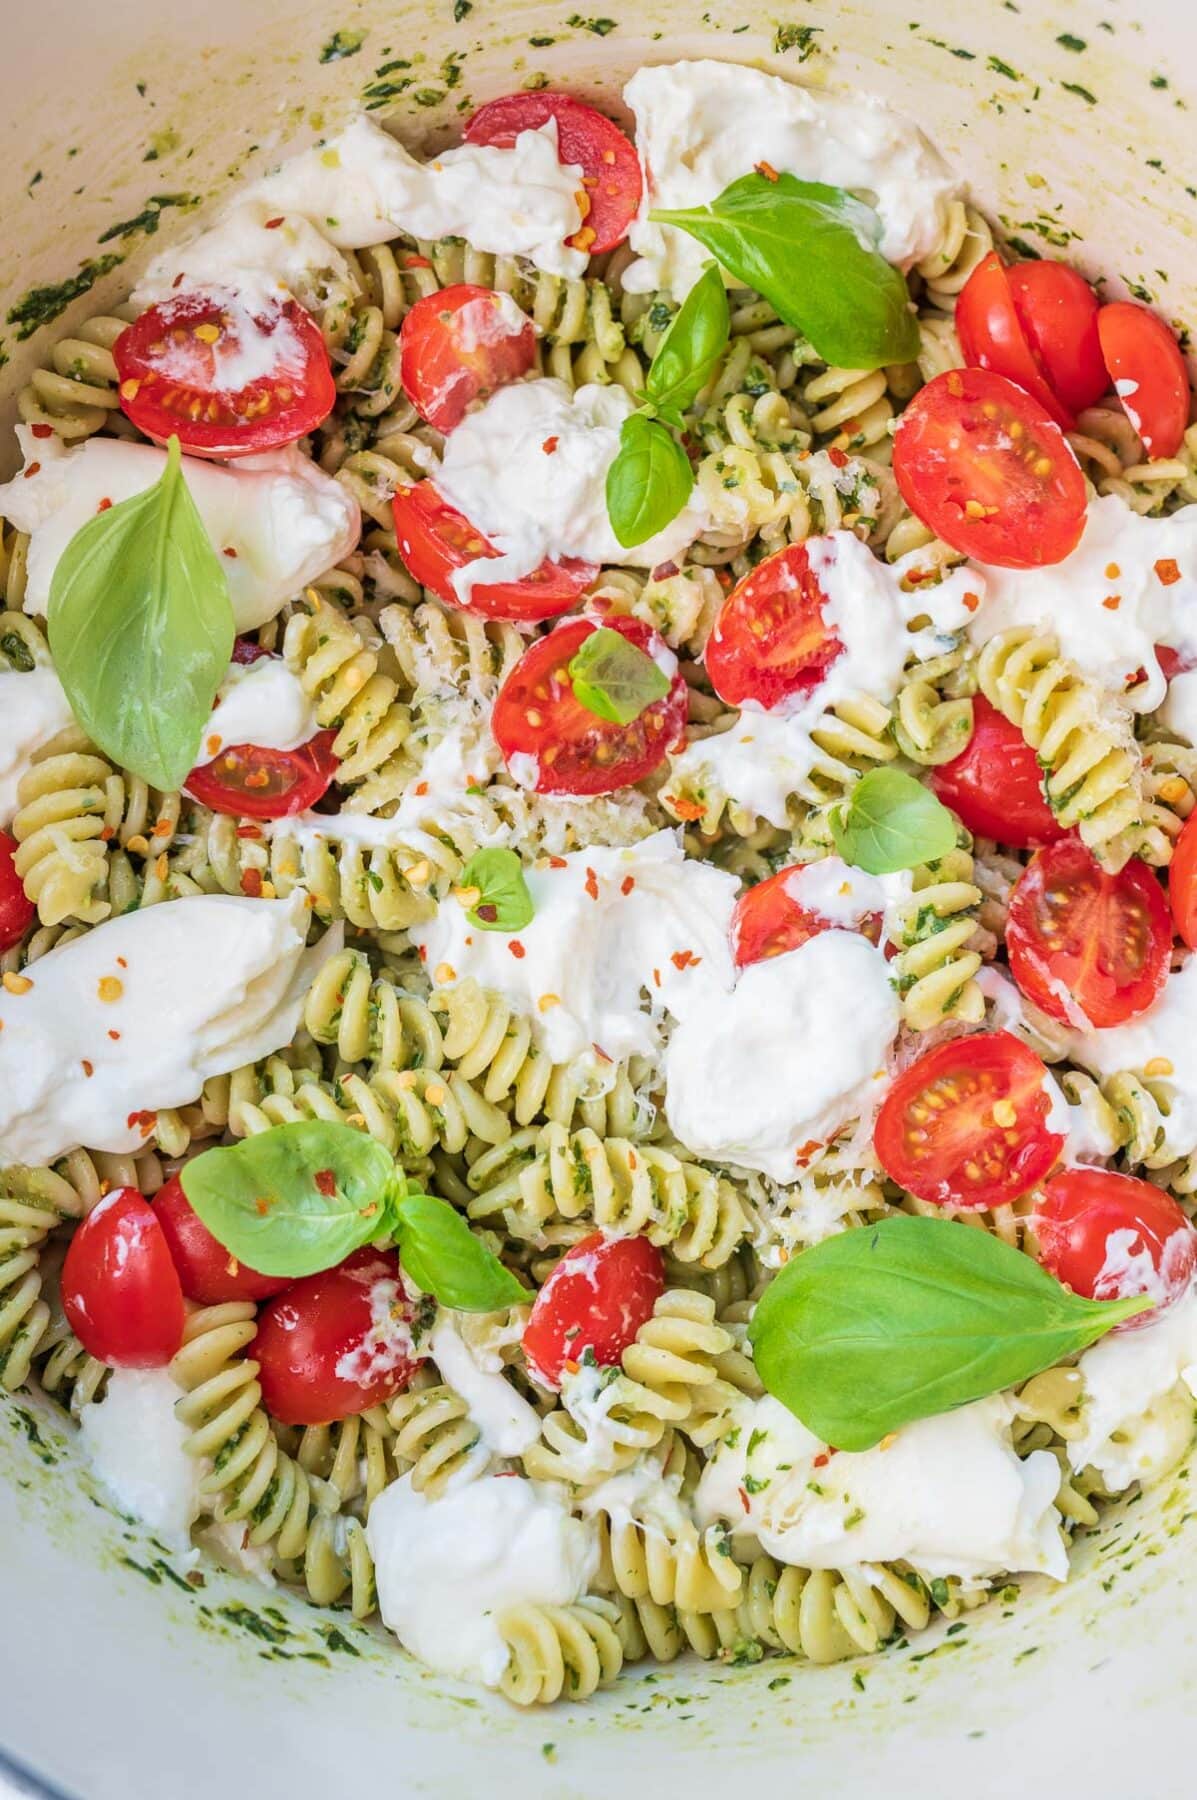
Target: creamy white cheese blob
{"x": 701, "y": 125}
{"x": 1147, "y": 566}
{"x": 254, "y": 251}
{"x": 1179, "y": 711}
{"x": 799, "y": 1049}
{"x": 1138, "y": 1412}
{"x": 529, "y": 471}
{"x": 618, "y": 936}
{"x": 33, "y": 709}
{"x": 506, "y": 1423}
{"x": 279, "y": 518}
{"x": 767, "y": 755}
{"x": 947, "y": 1494}
{"x": 259, "y": 703}
{"x": 1159, "y": 1045}
{"x": 134, "y": 1444}
{"x": 138, "y": 1013}
{"x": 447, "y": 1568}
{"x": 363, "y": 187}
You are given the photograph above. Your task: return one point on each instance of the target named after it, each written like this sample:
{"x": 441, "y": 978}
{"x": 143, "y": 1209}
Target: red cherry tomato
{"x": 575, "y": 752}
{"x": 224, "y": 382}
{"x": 597, "y": 1298}
{"x": 435, "y": 539}
{"x": 992, "y": 335}
{"x": 1058, "y": 312}
{"x": 1148, "y": 372}
{"x": 120, "y": 1289}
{"x": 966, "y": 1125}
{"x": 1110, "y": 1237}
{"x": 1078, "y": 936}
{"x": 1182, "y": 883}
{"x": 994, "y": 786}
{"x": 16, "y": 909}
{"x": 611, "y": 179}
{"x": 986, "y": 468}
{"x": 207, "y": 1271}
{"x": 769, "y": 640}
{"x": 769, "y": 920}
{"x": 457, "y": 346}
{"x": 257, "y": 783}
{"x": 338, "y": 1343}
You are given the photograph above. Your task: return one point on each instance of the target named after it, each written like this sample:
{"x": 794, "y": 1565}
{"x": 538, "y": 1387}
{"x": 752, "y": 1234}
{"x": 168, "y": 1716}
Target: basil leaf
{"x": 614, "y": 678}
{"x": 444, "y": 1257}
{"x": 648, "y": 483}
{"x": 809, "y": 250}
{"x": 504, "y": 903}
{"x": 690, "y": 350}
{"x": 141, "y": 628}
{"x": 889, "y": 822}
{"x": 295, "y": 1199}
{"x": 894, "y": 1322}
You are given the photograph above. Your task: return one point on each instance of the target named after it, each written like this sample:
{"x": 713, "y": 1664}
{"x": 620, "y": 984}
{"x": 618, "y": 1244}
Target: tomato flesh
{"x": 966, "y": 1125}
{"x": 435, "y": 540}
{"x": 992, "y": 335}
{"x": 337, "y": 1343}
{"x": 1111, "y": 1237}
{"x": 1148, "y": 372}
{"x": 770, "y": 641}
{"x": 1079, "y": 937}
{"x": 611, "y": 180}
{"x": 1058, "y": 312}
{"x": 770, "y": 921}
{"x": 257, "y": 783}
{"x": 538, "y": 719}
{"x": 16, "y": 909}
{"x": 994, "y": 786}
{"x": 459, "y": 345}
{"x": 989, "y": 471}
{"x": 120, "y": 1290}
{"x": 192, "y": 368}
{"x": 1182, "y": 883}
{"x": 207, "y": 1271}
{"x": 595, "y": 1301}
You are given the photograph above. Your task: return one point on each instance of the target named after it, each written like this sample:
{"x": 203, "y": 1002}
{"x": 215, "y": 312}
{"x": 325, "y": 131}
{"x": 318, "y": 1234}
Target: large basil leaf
{"x": 890, "y": 822}
{"x": 443, "y": 1256}
{"x": 689, "y": 352}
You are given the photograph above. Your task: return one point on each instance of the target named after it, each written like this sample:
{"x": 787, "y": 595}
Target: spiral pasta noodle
{"x": 934, "y": 934}
{"x": 559, "y": 1652}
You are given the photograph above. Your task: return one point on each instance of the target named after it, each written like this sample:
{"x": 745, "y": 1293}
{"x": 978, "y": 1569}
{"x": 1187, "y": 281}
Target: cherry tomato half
{"x": 1110, "y": 1237}
{"x": 994, "y": 786}
{"x": 1182, "y": 883}
{"x": 435, "y": 540}
{"x": 206, "y": 1270}
{"x": 611, "y": 178}
{"x": 769, "y": 920}
{"x": 769, "y": 640}
{"x": 459, "y": 345}
{"x": 120, "y": 1289}
{"x": 537, "y": 716}
{"x": 1148, "y": 372}
{"x": 1058, "y": 312}
{"x": 223, "y": 381}
{"x": 966, "y": 1125}
{"x": 1078, "y": 936}
{"x": 597, "y": 1298}
{"x": 16, "y": 909}
{"x": 337, "y": 1343}
{"x": 989, "y": 471}
{"x": 256, "y": 783}
{"x": 992, "y": 335}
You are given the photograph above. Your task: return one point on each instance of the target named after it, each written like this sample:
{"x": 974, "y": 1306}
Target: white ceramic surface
{"x": 119, "y": 1680}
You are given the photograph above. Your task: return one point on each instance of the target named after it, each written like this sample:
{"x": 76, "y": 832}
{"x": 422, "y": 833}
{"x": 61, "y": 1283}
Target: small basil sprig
{"x": 893, "y": 1322}
{"x": 890, "y": 822}
{"x": 810, "y": 250}
{"x": 614, "y": 678}
{"x": 503, "y": 903}
{"x": 141, "y": 628}
{"x": 298, "y": 1199}
{"x": 651, "y": 479}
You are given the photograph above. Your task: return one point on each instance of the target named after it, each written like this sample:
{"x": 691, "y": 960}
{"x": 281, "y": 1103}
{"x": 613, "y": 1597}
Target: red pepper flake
{"x": 592, "y": 884}
{"x": 550, "y": 445}
{"x": 685, "y": 959}
{"x": 416, "y": 262}
{"x": 42, "y": 431}
{"x": 33, "y": 469}
{"x": 88, "y": 1068}
{"x": 687, "y": 810}
{"x": 251, "y": 883}
{"x": 838, "y": 458}
{"x": 601, "y": 1053}
{"x": 1112, "y": 602}
{"x": 663, "y": 571}
{"x": 423, "y": 953}
{"x": 517, "y": 950}
{"x": 420, "y": 789}
{"x": 805, "y": 1151}
{"x": 821, "y": 1461}
{"x": 767, "y": 170}
{"x": 971, "y": 602}
{"x": 114, "y": 1035}
{"x": 743, "y": 1493}
{"x": 627, "y": 884}
{"x": 558, "y": 862}
{"x": 107, "y": 833}
{"x": 103, "y": 506}
{"x": 162, "y": 828}
{"x": 326, "y": 1183}
{"x": 261, "y": 1207}
{"x": 249, "y": 831}
{"x": 229, "y": 552}
{"x": 142, "y": 1121}
{"x": 1167, "y": 571}
{"x": 656, "y": 977}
